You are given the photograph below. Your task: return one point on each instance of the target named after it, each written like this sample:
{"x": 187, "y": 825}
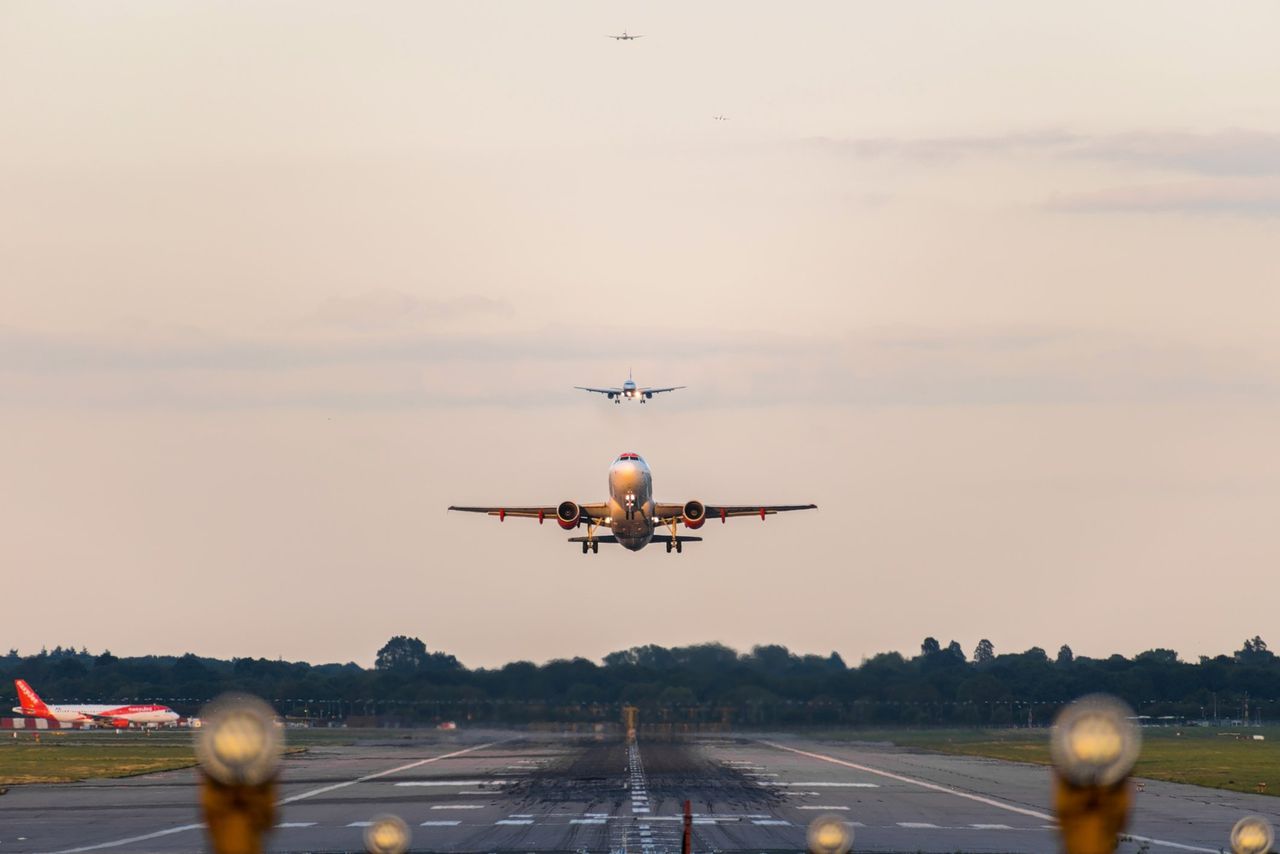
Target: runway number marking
{"x": 992, "y": 802}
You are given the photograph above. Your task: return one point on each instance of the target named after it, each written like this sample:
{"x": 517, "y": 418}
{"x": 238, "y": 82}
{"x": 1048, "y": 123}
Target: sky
{"x": 993, "y": 284}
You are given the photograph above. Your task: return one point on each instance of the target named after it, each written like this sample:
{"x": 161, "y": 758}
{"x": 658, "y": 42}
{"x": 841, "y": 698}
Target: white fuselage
{"x": 86, "y": 713}
{"x": 631, "y": 509}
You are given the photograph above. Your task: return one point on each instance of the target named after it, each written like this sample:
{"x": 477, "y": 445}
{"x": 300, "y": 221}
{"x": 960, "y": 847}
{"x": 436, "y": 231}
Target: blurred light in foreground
{"x": 387, "y": 835}
{"x": 828, "y": 834}
{"x": 1252, "y": 835}
{"x": 238, "y": 742}
{"x": 1094, "y": 741}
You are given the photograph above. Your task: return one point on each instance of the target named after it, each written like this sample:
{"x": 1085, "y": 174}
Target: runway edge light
{"x": 238, "y": 747}
{"x": 829, "y": 834}
{"x": 387, "y": 835}
{"x": 1252, "y": 834}
{"x": 1094, "y": 745}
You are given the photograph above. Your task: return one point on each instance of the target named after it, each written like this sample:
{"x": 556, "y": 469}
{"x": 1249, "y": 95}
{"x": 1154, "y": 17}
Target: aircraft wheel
{"x": 584, "y": 548}
{"x": 668, "y": 547}
{"x": 595, "y": 548}
{"x": 679, "y": 548}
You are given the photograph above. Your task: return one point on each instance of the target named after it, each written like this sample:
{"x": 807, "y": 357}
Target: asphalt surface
{"x": 494, "y": 792}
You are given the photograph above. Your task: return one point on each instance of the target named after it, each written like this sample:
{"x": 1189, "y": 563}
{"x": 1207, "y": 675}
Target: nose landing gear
{"x": 594, "y": 547}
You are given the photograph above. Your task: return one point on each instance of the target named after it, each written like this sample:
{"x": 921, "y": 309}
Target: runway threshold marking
{"x": 970, "y": 796}
{"x": 183, "y": 828}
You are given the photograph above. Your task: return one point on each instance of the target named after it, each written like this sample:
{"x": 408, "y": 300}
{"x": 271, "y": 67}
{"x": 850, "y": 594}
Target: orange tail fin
{"x": 31, "y": 702}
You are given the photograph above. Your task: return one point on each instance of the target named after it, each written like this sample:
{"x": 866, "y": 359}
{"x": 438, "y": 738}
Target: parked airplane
{"x": 624, "y": 37}
{"x": 632, "y": 514}
{"x": 116, "y": 716}
{"x": 629, "y": 391}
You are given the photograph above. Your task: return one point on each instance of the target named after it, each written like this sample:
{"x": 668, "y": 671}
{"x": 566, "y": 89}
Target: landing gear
{"x": 677, "y": 545}
{"x": 593, "y": 546}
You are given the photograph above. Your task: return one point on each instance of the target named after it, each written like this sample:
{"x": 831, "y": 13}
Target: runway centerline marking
{"x": 992, "y": 802}
{"x": 185, "y": 827}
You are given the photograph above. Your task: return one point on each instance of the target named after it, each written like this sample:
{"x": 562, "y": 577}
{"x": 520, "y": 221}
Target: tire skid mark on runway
{"x": 303, "y": 796}
{"x": 982, "y": 799}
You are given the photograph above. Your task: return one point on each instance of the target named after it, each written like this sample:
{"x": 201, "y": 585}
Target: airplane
{"x": 632, "y": 514}
{"x": 721, "y": 118}
{"x": 629, "y": 391}
{"x": 116, "y": 716}
{"x": 624, "y": 37}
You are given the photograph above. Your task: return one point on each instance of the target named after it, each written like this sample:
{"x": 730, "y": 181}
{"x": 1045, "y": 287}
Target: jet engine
{"x": 695, "y": 514}
{"x": 120, "y": 724}
{"x": 568, "y": 515}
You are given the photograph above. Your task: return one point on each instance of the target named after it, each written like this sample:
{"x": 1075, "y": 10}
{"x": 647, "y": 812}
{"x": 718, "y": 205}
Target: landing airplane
{"x": 629, "y": 391}
{"x": 116, "y": 716}
{"x": 624, "y": 37}
{"x": 721, "y": 118}
{"x": 632, "y": 514}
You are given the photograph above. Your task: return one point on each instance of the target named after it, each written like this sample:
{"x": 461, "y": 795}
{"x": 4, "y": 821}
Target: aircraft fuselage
{"x": 631, "y": 508}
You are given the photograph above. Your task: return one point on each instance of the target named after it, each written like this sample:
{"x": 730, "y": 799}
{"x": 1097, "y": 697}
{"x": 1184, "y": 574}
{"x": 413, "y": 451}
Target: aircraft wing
{"x": 659, "y": 390}
{"x": 599, "y": 390}
{"x": 729, "y": 511}
{"x": 589, "y": 511}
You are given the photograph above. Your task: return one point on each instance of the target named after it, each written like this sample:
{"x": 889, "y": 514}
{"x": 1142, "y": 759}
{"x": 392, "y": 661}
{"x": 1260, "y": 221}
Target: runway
{"x": 503, "y": 791}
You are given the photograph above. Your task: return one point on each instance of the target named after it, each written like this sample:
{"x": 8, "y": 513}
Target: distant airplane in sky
{"x": 721, "y": 118}
{"x": 629, "y": 391}
{"x": 624, "y": 37}
{"x": 116, "y": 716}
{"x": 632, "y": 514}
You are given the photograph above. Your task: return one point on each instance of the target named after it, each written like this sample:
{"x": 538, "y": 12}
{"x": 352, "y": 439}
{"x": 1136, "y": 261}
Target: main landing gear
{"x": 679, "y": 547}
{"x": 594, "y": 547}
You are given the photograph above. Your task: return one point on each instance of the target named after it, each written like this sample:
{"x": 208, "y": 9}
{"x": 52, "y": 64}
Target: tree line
{"x": 707, "y": 682}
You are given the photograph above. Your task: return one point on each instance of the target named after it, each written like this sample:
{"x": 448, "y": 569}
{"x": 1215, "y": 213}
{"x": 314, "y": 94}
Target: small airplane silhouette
{"x": 624, "y": 37}
{"x": 721, "y": 118}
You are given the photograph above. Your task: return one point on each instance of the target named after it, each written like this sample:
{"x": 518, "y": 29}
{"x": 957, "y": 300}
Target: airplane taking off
{"x": 624, "y": 37}
{"x": 629, "y": 391}
{"x": 632, "y": 514}
{"x": 116, "y": 716}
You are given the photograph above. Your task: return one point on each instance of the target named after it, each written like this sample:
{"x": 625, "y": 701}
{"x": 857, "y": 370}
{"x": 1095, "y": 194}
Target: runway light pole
{"x": 1094, "y": 745}
{"x": 239, "y": 747}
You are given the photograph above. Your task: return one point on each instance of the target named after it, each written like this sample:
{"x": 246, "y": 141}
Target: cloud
{"x": 1227, "y": 153}
{"x": 1259, "y": 198}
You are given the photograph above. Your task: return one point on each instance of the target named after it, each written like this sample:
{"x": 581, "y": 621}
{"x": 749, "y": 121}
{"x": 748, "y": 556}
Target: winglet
{"x": 30, "y": 700}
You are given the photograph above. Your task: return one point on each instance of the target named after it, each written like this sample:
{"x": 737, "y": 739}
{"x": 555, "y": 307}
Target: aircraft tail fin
{"x": 31, "y": 702}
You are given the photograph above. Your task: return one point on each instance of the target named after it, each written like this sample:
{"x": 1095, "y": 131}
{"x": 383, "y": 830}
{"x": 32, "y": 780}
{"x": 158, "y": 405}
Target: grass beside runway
{"x": 65, "y": 757}
{"x": 1202, "y": 756}
{"x": 69, "y": 756}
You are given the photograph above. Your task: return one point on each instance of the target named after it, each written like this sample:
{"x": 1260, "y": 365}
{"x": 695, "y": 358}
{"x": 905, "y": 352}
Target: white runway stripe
{"x": 296, "y": 824}
{"x": 440, "y": 824}
{"x": 458, "y": 807}
{"x": 456, "y": 784}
